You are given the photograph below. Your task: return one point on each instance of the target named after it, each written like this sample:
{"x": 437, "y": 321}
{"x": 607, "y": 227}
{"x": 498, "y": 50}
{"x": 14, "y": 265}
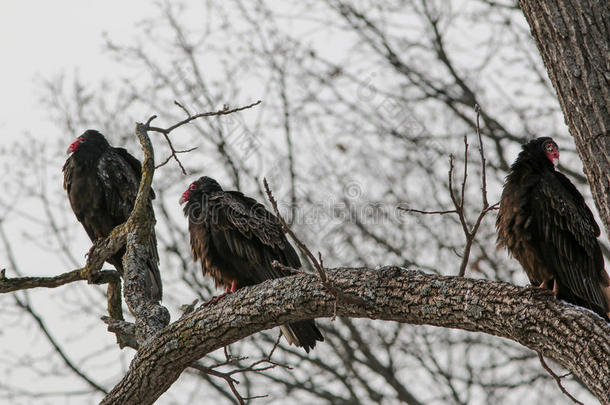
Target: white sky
{"x": 40, "y": 39}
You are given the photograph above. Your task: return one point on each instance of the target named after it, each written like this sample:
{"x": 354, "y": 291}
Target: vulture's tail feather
{"x": 303, "y": 334}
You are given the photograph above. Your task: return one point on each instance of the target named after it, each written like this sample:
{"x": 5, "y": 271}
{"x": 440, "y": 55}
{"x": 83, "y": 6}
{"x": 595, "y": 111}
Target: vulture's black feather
{"x": 236, "y": 239}
{"x": 546, "y": 225}
{"x": 102, "y": 184}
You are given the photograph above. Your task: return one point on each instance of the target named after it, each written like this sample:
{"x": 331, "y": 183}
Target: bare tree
{"x": 345, "y": 135}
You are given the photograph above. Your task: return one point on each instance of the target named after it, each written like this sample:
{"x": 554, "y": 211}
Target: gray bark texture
{"x": 151, "y": 317}
{"x": 573, "y": 37}
{"x": 575, "y": 338}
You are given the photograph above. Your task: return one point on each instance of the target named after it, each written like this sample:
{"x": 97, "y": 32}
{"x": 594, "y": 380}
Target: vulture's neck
{"x": 527, "y": 165}
{"x": 87, "y": 159}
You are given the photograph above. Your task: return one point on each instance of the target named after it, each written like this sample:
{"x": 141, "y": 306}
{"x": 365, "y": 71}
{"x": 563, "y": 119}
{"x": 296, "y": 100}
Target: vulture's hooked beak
{"x": 73, "y": 147}
{"x": 184, "y": 198}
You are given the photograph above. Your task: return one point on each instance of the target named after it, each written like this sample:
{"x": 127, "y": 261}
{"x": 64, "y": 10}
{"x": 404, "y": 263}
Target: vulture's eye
{"x": 193, "y": 187}
{"x": 549, "y": 147}
{"x": 81, "y": 139}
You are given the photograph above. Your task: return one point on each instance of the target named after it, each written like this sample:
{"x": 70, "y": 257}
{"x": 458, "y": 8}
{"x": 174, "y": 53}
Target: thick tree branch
{"x": 24, "y": 283}
{"x": 575, "y": 338}
{"x": 151, "y": 317}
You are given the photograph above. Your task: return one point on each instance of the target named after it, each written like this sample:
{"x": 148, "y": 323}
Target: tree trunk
{"x": 573, "y": 37}
{"x": 572, "y": 336}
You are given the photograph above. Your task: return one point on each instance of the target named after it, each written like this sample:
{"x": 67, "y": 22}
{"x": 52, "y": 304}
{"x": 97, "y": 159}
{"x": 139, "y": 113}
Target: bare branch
{"x": 523, "y": 315}
{"x": 188, "y": 114}
{"x": 224, "y": 111}
{"x": 469, "y": 232}
{"x": 173, "y": 155}
{"x": 427, "y": 212}
{"x": 317, "y": 264}
{"x": 166, "y": 131}
{"x": 23, "y": 283}
{"x": 557, "y": 380}
{"x": 151, "y": 317}
{"x": 125, "y": 331}
{"x": 465, "y": 175}
{"x": 477, "y": 109}
{"x": 26, "y": 306}
{"x": 257, "y": 366}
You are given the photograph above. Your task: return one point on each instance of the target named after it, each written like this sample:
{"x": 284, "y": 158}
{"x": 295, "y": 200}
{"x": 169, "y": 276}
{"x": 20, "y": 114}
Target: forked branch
{"x": 166, "y": 131}
{"x": 318, "y": 263}
{"x": 470, "y": 231}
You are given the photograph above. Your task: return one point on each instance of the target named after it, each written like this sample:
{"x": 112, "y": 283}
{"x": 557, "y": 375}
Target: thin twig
{"x": 189, "y": 118}
{"x": 454, "y": 199}
{"x": 427, "y": 212}
{"x": 228, "y": 376}
{"x": 557, "y": 379}
{"x": 26, "y": 306}
{"x": 477, "y": 109}
{"x": 224, "y": 111}
{"x": 188, "y": 114}
{"x": 465, "y": 171}
{"x": 459, "y": 204}
{"x": 301, "y": 245}
{"x": 288, "y": 269}
{"x": 317, "y": 264}
{"x": 173, "y": 155}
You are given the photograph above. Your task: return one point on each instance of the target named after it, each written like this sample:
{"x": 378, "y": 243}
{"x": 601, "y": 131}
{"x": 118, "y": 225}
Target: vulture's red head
{"x": 542, "y": 150}
{"x": 74, "y": 145}
{"x": 90, "y": 141}
{"x": 551, "y": 150}
{"x": 202, "y": 187}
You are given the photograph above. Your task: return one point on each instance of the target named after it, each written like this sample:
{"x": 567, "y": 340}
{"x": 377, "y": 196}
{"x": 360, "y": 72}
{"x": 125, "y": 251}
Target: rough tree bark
{"x": 573, "y": 37}
{"x": 151, "y": 317}
{"x": 574, "y": 337}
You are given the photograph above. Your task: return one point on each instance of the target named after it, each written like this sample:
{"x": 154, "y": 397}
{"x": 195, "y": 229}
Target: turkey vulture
{"x": 546, "y": 225}
{"x": 102, "y": 184}
{"x": 236, "y": 239}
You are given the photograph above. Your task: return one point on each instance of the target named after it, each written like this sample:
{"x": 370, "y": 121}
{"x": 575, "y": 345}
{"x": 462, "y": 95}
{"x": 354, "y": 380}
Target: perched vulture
{"x": 546, "y": 225}
{"x": 236, "y": 239}
{"x": 102, "y": 183}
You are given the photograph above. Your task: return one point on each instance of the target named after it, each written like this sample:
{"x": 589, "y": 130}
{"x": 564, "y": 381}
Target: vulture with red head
{"x": 236, "y": 239}
{"x": 102, "y": 184}
{"x": 546, "y": 225}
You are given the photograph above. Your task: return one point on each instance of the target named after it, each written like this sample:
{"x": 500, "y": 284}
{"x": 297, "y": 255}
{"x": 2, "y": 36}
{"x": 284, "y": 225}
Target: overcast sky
{"x": 40, "y": 39}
